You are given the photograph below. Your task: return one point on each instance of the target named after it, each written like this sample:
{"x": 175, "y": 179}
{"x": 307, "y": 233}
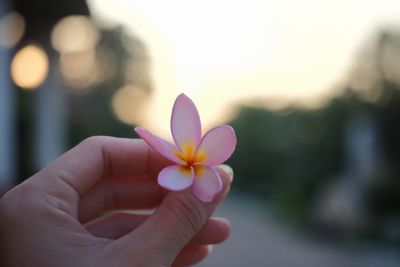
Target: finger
{"x": 120, "y": 193}
{"x": 115, "y": 225}
{"x": 191, "y": 255}
{"x": 178, "y": 219}
{"x": 97, "y": 157}
{"x": 215, "y": 230}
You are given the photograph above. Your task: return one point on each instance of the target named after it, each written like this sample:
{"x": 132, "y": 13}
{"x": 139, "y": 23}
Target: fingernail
{"x": 228, "y": 170}
{"x": 223, "y": 221}
{"x": 220, "y": 219}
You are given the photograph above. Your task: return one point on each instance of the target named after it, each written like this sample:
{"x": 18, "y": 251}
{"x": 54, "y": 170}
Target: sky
{"x": 222, "y": 52}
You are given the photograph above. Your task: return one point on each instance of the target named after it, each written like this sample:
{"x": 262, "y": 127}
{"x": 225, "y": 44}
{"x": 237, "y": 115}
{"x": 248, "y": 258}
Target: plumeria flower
{"x": 195, "y": 157}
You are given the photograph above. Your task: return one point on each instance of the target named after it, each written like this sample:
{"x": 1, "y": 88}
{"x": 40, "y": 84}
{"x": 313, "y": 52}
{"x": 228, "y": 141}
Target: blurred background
{"x": 312, "y": 89}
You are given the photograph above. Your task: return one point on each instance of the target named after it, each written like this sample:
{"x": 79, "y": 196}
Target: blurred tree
{"x": 291, "y": 155}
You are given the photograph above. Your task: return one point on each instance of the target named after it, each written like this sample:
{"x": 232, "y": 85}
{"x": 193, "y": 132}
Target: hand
{"x": 50, "y": 219}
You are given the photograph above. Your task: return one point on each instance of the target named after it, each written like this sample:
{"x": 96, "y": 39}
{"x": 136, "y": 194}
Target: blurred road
{"x": 258, "y": 239}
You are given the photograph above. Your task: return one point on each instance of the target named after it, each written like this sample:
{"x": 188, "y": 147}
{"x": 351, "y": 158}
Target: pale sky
{"x": 221, "y": 52}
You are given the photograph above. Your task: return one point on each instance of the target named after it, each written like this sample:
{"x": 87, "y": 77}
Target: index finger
{"x": 100, "y": 156}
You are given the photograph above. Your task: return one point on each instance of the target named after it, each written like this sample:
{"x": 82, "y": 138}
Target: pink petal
{"x": 176, "y": 177}
{"x": 207, "y": 183}
{"x": 185, "y": 122}
{"x": 218, "y": 144}
{"x": 161, "y": 146}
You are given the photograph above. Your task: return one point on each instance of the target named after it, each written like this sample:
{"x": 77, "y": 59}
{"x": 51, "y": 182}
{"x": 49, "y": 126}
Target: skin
{"x": 52, "y": 219}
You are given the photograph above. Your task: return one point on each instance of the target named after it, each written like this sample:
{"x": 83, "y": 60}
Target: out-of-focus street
{"x": 257, "y": 239}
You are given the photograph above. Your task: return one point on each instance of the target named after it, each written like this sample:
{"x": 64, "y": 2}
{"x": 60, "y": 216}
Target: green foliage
{"x": 287, "y": 156}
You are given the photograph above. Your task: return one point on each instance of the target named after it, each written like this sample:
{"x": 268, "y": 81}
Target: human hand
{"x": 50, "y": 219}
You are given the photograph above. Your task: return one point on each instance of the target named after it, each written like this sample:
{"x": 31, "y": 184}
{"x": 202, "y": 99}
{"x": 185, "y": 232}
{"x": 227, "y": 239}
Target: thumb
{"x": 178, "y": 219}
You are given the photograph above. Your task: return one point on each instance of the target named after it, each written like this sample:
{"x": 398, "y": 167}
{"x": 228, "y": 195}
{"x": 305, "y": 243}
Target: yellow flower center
{"x": 190, "y": 156}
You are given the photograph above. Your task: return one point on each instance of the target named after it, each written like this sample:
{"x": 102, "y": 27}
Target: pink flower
{"x": 195, "y": 156}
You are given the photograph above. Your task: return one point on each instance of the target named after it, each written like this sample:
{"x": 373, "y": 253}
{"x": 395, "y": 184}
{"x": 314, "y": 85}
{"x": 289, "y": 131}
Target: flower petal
{"x": 176, "y": 177}
{"x": 207, "y": 183}
{"x": 185, "y": 122}
{"x": 218, "y": 144}
{"x": 161, "y": 146}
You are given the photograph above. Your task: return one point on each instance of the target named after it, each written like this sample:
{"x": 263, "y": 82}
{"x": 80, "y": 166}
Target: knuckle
{"x": 94, "y": 141}
{"x": 98, "y": 145}
{"x": 190, "y": 215}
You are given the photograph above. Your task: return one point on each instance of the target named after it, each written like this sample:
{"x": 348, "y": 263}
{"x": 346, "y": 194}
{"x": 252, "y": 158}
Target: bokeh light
{"x": 82, "y": 70}
{"x": 106, "y": 63}
{"x": 128, "y": 103}
{"x": 29, "y": 67}
{"x": 79, "y": 69}
{"x": 12, "y": 28}
{"x": 137, "y": 72}
{"x": 74, "y": 34}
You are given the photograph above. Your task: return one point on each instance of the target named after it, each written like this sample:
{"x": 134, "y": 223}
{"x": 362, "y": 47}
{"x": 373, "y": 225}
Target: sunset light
{"x": 224, "y": 52}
